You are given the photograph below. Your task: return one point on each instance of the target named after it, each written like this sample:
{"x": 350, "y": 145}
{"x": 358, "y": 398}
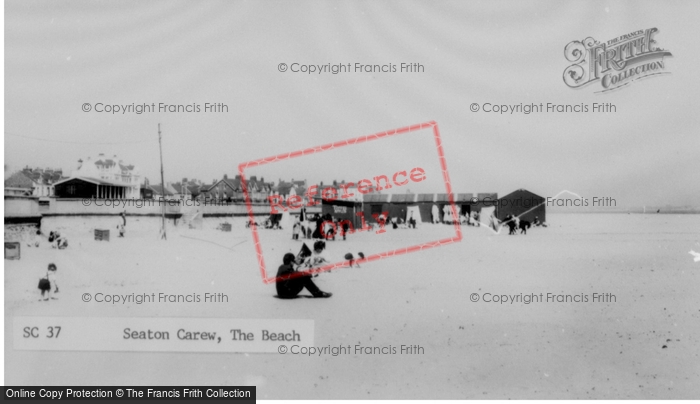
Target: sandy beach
{"x": 643, "y": 345}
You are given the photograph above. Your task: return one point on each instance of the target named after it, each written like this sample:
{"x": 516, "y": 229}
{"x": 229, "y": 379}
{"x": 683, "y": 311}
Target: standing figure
{"x": 295, "y": 230}
{"x": 436, "y": 214}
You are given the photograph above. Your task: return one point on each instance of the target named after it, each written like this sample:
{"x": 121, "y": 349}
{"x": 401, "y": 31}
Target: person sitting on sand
{"x": 288, "y": 287}
{"x": 317, "y": 258}
{"x": 60, "y": 242}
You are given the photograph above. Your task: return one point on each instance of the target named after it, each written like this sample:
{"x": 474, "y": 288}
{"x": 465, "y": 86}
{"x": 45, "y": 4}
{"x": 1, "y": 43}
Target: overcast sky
{"x": 62, "y": 54}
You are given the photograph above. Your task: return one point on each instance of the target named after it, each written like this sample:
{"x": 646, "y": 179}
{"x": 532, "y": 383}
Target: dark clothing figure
{"x": 524, "y": 225}
{"x": 510, "y": 222}
{"x": 288, "y": 287}
{"x": 345, "y": 228}
{"x": 318, "y": 232}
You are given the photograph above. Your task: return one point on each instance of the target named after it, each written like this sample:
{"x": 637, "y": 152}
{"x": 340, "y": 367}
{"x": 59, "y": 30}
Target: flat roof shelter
{"x": 89, "y": 188}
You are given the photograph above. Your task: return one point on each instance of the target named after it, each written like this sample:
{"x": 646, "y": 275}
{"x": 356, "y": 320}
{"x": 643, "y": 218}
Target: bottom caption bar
{"x": 159, "y": 334}
{"x": 238, "y": 393}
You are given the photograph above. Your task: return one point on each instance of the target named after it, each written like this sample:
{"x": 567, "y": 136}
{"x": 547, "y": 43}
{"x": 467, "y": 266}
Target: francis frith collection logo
{"x": 615, "y": 63}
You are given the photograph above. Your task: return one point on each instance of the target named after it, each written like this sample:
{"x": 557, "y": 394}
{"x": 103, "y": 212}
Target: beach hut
{"x": 464, "y": 204}
{"x": 375, "y": 204}
{"x": 398, "y": 207}
{"x": 484, "y": 200}
{"x": 442, "y": 201}
{"x": 425, "y": 205}
{"x": 343, "y": 210}
{"x": 522, "y": 203}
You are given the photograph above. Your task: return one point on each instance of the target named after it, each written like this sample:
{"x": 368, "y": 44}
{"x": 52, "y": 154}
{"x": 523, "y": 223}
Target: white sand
{"x": 472, "y": 350}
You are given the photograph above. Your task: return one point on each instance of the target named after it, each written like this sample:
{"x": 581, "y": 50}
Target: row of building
{"x": 428, "y": 208}
{"x": 110, "y": 178}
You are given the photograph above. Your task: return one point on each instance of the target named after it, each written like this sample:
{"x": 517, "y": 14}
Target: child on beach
{"x": 49, "y": 282}
{"x": 289, "y": 287}
{"x": 317, "y": 258}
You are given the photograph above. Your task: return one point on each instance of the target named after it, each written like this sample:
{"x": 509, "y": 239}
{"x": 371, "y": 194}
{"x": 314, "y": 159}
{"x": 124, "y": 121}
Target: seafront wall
{"x": 25, "y": 207}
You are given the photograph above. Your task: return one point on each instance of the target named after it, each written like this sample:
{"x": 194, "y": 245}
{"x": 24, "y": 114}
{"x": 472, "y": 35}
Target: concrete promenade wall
{"x": 29, "y": 207}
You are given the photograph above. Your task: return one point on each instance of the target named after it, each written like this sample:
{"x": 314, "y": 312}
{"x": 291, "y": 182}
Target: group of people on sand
{"x": 47, "y": 284}
{"x": 320, "y": 227}
{"x": 514, "y": 224}
{"x": 58, "y": 241}
{"x": 290, "y": 278}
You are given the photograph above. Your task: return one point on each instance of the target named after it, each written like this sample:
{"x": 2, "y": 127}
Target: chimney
{"x": 225, "y": 176}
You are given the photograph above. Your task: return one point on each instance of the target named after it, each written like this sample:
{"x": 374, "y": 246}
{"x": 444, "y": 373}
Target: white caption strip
{"x": 144, "y": 334}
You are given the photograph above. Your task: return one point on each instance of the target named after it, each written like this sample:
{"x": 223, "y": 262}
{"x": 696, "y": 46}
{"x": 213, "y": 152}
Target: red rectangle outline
{"x": 342, "y": 143}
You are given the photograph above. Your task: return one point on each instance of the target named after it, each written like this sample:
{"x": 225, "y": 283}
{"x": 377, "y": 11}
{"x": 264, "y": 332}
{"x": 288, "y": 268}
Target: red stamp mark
{"x": 314, "y": 195}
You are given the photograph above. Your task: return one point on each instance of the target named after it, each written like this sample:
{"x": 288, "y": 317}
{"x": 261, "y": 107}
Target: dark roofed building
{"x": 522, "y": 203}
{"x": 19, "y": 184}
{"x": 40, "y": 182}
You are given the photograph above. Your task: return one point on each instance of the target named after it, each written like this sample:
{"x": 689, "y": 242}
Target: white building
{"x": 110, "y": 179}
